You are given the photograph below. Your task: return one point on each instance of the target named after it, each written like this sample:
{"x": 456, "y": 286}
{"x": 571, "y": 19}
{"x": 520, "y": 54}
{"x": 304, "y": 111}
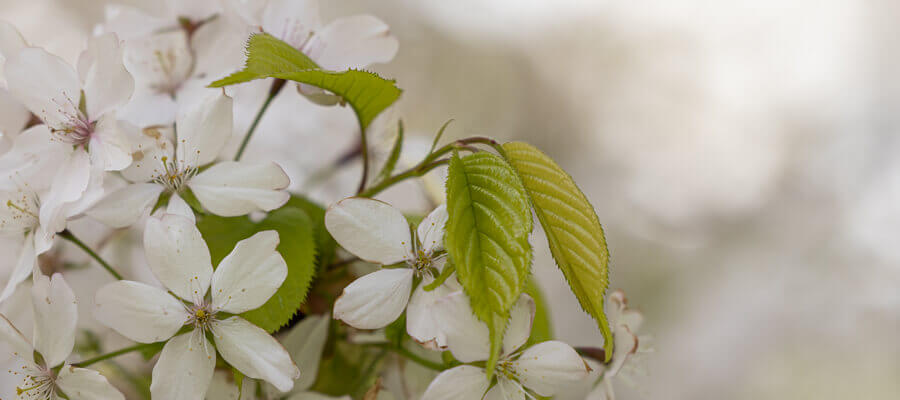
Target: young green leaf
{"x": 391, "y": 162}
{"x": 268, "y": 57}
{"x": 487, "y": 238}
{"x": 297, "y": 246}
{"x": 541, "y": 327}
{"x": 573, "y": 230}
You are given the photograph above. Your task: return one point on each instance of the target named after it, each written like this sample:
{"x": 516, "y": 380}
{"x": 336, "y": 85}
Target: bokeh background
{"x": 744, "y": 157}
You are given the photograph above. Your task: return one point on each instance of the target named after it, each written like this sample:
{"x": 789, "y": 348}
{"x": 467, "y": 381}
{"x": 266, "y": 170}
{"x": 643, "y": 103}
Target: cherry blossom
{"x": 543, "y": 368}
{"x": 200, "y": 299}
{"x": 379, "y": 233}
{"x": 227, "y": 188}
{"x": 41, "y": 368}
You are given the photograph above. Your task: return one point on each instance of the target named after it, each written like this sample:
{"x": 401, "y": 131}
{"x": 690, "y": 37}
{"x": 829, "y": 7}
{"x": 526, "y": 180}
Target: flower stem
{"x": 66, "y": 234}
{"x": 431, "y": 162}
{"x": 364, "y": 150}
{"x": 413, "y": 357}
{"x": 273, "y": 91}
{"x": 107, "y": 356}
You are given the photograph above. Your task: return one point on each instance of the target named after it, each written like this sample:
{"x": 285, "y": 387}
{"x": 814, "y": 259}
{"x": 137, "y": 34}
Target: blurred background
{"x": 743, "y": 156}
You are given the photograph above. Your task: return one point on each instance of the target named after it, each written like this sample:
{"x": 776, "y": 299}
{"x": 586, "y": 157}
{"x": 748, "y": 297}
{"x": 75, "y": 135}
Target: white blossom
{"x": 379, "y": 233}
{"x": 544, "y": 368}
{"x": 199, "y": 299}
{"x": 227, "y": 188}
{"x": 47, "y": 377}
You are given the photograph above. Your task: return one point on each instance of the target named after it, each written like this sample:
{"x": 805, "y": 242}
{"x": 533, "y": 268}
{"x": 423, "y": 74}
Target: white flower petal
{"x": 234, "y": 188}
{"x": 138, "y": 311}
{"x": 25, "y": 263}
{"x": 150, "y": 146}
{"x": 11, "y": 41}
{"x": 626, "y": 345}
{"x": 129, "y": 22}
{"x": 34, "y": 158}
{"x": 521, "y": 317}
{"x": 177, "y": 206}
{"x": 185, "y": 368}
{"x": 160, "y": 62}
{"x": 462, "y": 382}
{"x": 292, "y": 21}
{"x": 421, "y": 318}
{"x": 148, "y": 107}
{"x": 178, "y": 256}
{"x": 506, "y": 389}
{"x": 55, "y": 317}
{"x": 204, "y": 129}
{"x": 305, "y": 343}
{"x": 370, "y": 229}
{"x": 107, "y": 84}
{"x": 468, "y": 338}
{"x": 550, "y": 366}
{"x": 69, "y": 184}
{"x": 375, "y": 300}
{"x": 44, "y": 83}
{"x": 249, "y": 275}
{"x": 86, "y": 384}
{"x": 355, "y": 42}
{"x": 431, "y": 230}
{"x": 109, "y": 146}
{"x": 125, "y": 206}
{"x": 255, "y": 353}
{"x": 13, "y": 115}
{"x": 13, "y": 346}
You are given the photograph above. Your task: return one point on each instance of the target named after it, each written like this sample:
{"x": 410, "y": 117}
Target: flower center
{"x": 37, "y": 383}
{"x": 167, "y": 82}
{"x": 505, "y": 368}
{"x": 201, "y": 316}
{"x": 175, "y": 175}
{"x": 77, "y": 131}
{"x": 422, "y": 261}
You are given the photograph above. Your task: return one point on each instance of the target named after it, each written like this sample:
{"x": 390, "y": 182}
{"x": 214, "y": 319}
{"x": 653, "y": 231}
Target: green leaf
{"x": 396, "y": 331}
{"x": 487, "y": 238}
{"x": 297, "y": 246}
{"x": 573, "y": 230}
{"x": 542, "y": 327}
{"x": 437, "y": 138}
{"x": 325, "y": 244}
{"x": 391, "y": 162}
{"x": 268, "y": 57}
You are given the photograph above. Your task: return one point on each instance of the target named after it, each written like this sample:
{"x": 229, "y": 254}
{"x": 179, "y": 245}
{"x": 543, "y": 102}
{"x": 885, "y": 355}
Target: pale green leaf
{"x": 297, "y": 246}
{"x": 268, "y": 57}
{"x": 573, "y": 230}
{"x": 487, "y": 238}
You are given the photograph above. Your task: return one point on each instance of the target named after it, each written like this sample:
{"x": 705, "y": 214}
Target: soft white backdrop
{"x": 744, "y": 157}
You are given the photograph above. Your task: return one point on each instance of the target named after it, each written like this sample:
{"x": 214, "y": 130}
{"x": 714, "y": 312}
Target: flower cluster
{"x": 224, "y": 300}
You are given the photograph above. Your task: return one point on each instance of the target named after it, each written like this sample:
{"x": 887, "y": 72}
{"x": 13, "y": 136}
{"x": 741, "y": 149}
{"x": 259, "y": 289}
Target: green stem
{"x": 364, "y": 149}
{"x": 413, "y": 357}
{"x": 273, "y": 91}
{"x": 103, "y": 357}
{"x": 66, "y": 234}
{"x": 431, "y": 162}
{"x": 410, "y": 173}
